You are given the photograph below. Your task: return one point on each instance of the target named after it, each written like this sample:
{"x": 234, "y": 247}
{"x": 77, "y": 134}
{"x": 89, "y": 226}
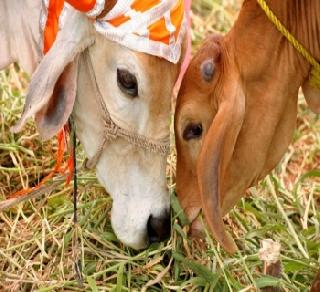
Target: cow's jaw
{"x": 136, "y": 181}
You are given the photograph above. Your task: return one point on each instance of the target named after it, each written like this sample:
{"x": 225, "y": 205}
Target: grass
{"x": 38, "y": 242}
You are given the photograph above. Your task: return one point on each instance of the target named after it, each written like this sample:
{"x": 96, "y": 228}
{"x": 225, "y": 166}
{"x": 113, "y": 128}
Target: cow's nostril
{"x": 158, "y": 228}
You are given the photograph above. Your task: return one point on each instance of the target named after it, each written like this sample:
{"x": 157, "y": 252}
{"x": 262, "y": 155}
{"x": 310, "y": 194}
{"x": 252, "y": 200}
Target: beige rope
{"x": 112, "y": 131}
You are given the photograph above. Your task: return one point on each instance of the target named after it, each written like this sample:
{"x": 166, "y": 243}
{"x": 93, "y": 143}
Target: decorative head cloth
{"x": 155, "y": 27}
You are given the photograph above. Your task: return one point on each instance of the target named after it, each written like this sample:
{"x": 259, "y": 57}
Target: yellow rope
{"x": 314, "y": 77}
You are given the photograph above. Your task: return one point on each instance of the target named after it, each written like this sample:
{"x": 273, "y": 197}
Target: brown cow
{"x": 237, "y": 107}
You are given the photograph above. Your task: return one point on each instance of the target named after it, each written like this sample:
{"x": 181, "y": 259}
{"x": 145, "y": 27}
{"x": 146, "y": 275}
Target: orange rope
{"x": 49, "y": 35}
{"x": 68, "y": 168}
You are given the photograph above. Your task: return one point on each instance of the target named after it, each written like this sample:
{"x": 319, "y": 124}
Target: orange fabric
{"x": 137, "y": 5}
{"x": 82, "y": 5}
{"x": 158, "y": 32}
{"x": 177, "y": 16}
{"x": 119, "y": 20}
{"x": 54, "y": 11}
{"x": 52, "y": 24}
{"x": 150, "y": 35}
{"x": 144, "y": 5}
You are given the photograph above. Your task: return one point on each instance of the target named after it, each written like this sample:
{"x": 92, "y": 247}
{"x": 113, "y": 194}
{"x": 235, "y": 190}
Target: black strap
{"x": 75, "y": 174}
{"x": 73, "y": 140}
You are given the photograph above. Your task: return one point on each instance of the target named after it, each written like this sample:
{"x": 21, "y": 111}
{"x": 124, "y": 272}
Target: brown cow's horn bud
{"x": 207, "y": 70}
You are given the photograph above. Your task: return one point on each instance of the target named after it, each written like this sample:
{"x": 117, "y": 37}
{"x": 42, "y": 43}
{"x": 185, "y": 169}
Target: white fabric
{"x": 134, "y": 33}
{"x": 97, "y": 9}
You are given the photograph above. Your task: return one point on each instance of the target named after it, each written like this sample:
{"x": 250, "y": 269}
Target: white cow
{"x": 93, "y": 77}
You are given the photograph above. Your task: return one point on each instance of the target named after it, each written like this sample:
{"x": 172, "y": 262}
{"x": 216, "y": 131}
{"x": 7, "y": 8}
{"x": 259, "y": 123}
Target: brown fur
{"x": 315, "y": 287}
{"x": 248, "y": 111}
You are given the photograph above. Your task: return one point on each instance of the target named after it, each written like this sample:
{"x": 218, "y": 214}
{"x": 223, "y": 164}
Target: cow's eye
{"x": 192, "y": 131}
{"x": 127, "y": 82}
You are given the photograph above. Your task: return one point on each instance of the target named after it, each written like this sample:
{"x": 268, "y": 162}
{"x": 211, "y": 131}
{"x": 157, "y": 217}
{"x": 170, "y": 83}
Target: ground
{"x": 38, "y": 242}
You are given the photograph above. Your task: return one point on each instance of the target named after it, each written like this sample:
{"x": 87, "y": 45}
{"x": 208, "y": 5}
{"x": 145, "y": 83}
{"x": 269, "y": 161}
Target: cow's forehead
{"x": 158, "y": 76}
{"x": 156, "y": 65}
{"x": 210, "y": 51}
{"x": 144, "y": 64}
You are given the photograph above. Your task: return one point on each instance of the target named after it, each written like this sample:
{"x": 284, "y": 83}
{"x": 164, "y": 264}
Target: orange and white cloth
{"x": 155, "y": 27}
{"x": 54, "y": 11}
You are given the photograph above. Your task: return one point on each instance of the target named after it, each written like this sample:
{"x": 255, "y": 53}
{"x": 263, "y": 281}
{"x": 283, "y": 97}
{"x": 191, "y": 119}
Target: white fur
{"x": 135, "y": 178}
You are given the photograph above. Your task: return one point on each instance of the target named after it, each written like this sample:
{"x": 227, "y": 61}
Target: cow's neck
{"x": 271, "y": 73}
{"x": 20, "y": 39}
{"x": 257, "y": 42}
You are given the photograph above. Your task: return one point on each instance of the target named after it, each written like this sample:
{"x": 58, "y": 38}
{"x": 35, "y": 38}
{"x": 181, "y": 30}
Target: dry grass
{"x": 37, "y": 237}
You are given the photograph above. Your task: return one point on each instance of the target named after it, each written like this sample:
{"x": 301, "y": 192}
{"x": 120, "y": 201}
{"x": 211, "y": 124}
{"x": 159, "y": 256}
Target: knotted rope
{"x": 112, "y": 131}
{"x": 314, "y": 77}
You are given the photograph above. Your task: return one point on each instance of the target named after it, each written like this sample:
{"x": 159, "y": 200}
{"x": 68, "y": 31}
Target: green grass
{"x": 38, "y": 243}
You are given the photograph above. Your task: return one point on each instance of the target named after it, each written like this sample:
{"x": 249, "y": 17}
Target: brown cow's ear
{"x": 53, "y": 86}
{"x": 312, "y": 96}
{"x": 216, "y": 152}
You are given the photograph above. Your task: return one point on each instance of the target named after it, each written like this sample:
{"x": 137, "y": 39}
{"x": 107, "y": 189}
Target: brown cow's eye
{"x": 127, "y": 82}
{"x": 192, "y": 131}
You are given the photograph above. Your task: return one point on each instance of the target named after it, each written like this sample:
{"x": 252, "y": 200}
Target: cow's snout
{"x": 159, "y": 227}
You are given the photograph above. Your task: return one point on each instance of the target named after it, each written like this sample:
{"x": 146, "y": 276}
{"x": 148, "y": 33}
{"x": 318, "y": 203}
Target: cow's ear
{"x": 53, "y": 86}
{"x": 312, "y": 96}
{"x": 216, "y": 152}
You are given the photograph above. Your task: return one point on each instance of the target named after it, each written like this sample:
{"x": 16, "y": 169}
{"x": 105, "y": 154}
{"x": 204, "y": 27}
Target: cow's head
{"x": 208, "y": 118}
{"x": 136, "y": 90}
{"x": 235, "y": 117}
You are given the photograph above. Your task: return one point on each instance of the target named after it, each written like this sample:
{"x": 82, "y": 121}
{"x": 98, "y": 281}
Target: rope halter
{"x": 112, "y": 131}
